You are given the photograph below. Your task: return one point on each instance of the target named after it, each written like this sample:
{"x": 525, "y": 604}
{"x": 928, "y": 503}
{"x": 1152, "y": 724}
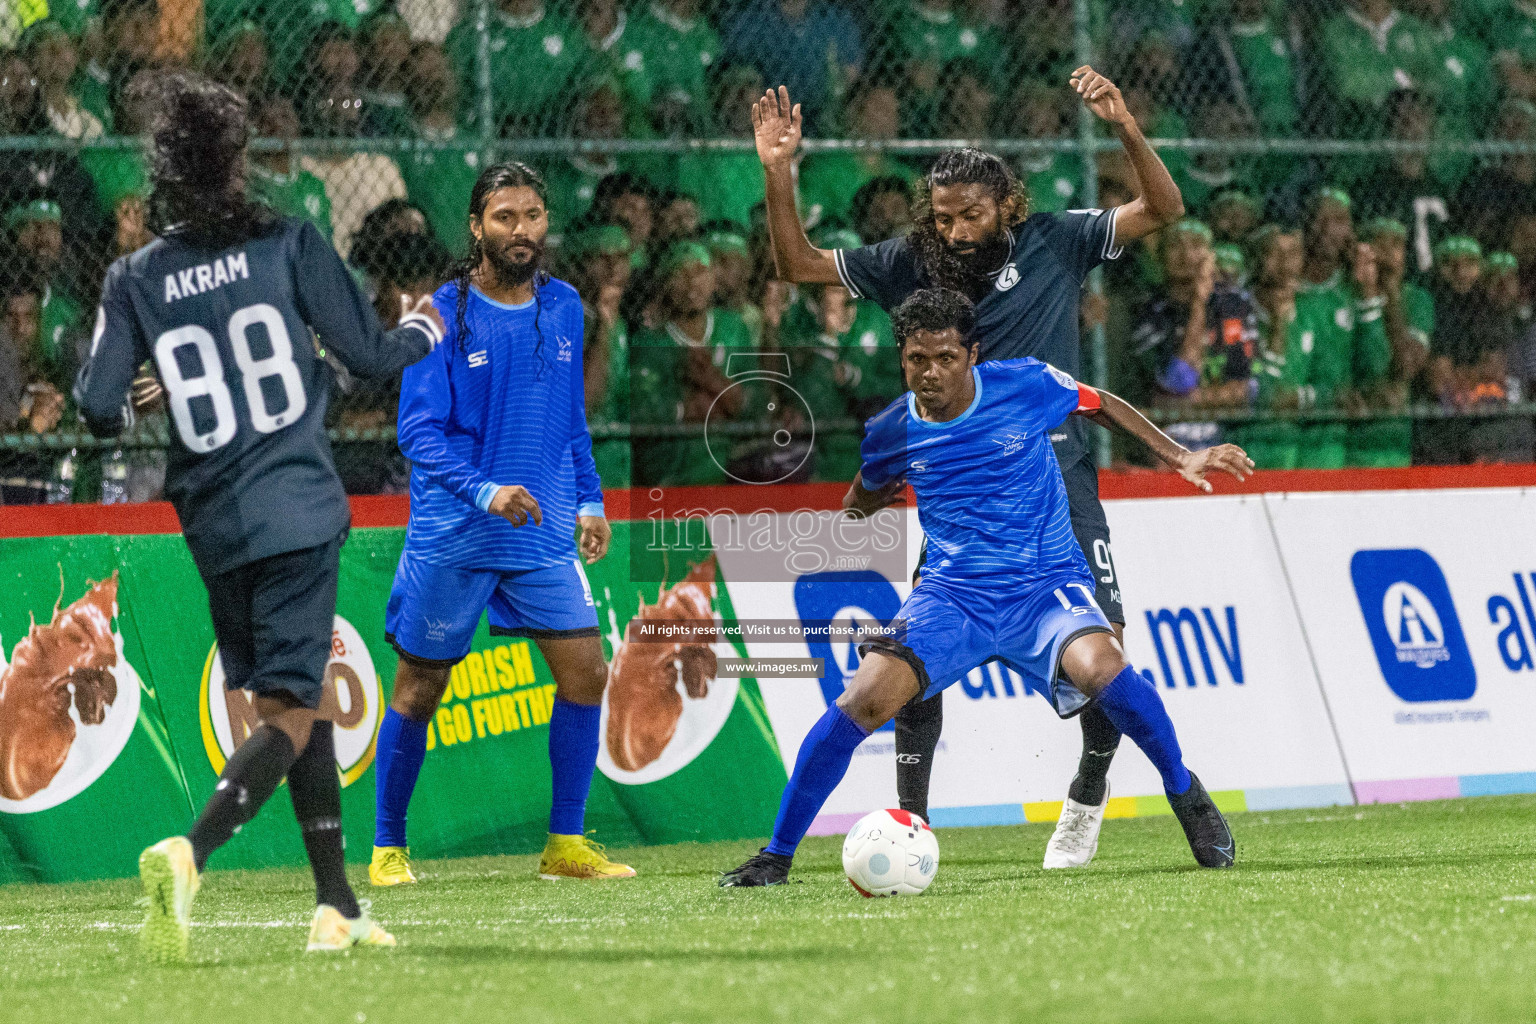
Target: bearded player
{"x": 494, "y": 424}
{"x": 1005, "y": 578}
{"x": 224, "y": 303}
{"x": 974, "y": 233}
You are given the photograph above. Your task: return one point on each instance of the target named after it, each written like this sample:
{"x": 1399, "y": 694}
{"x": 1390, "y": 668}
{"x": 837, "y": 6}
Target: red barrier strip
{"x": 392, "y": 510}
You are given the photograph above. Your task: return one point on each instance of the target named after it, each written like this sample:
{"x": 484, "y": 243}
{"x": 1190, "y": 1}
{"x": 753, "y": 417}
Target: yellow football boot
{"x": 391, "y": 865}
{"x": 578, "y": 857}
{"x": 331, "y": 932}
{"x": 170, "y": 882}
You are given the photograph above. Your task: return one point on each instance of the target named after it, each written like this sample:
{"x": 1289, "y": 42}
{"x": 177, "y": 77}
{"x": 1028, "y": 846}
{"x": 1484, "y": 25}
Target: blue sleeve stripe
{"x": 591, "y": 508}
{"x": 486, "y": 493}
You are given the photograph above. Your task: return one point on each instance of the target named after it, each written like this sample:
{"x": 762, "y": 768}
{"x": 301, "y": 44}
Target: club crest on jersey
{"x": 564, "y": 355}
{"x": 479, "y": 358}
{"x": 1011, "y": 443}
{"x": 1008, "y": 278}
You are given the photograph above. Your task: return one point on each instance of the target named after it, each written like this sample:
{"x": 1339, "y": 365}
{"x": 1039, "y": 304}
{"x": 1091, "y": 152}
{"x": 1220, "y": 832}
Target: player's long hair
{"x": 493, "y": 179}
{"x": 960, "y": 167}
{"x": 200, "y": 130}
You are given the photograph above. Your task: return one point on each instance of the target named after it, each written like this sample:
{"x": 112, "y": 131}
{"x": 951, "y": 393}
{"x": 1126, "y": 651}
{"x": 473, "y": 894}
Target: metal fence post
{"x": 484, "y": 104}
{"x": 1087, "y": 130}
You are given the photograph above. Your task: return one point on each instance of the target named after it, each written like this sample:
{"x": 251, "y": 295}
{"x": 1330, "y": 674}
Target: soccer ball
{"x": 890, "y": 853}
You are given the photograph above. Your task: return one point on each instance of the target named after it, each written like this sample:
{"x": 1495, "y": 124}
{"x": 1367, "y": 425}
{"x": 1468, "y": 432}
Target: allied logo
{"x": 850, "y": 606}
{"x": 1413, "y": 625}
{"x": 1008, "y": 278}
{"x": 350, "y": 696}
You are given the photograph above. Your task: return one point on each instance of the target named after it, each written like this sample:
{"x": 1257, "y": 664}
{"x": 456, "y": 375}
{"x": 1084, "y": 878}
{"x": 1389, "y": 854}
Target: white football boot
{"x": 1076, "y": 838}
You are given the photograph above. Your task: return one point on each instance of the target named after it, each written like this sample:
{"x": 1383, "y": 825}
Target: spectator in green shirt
{"x": 597, "y": 262}
{"x": 1340, "y": 296}
{"x": 969, "y": 102}
{"x": 678, "y": 48}
{"x": 679, "y": 373}
{"x": 1247, "y": 48}
{"x": 1039, "y": 110}
{"x": 1383, "y": 373}
{"x": 732, "y": 259}
{"x": 1369, "y": 51}
{"x": 728, "y": 185}
{"x": 240, "y": 59}
{"x": 882, "y": 208}
{"x": 1287, "y": 336}
{"x": 438, "y": 181}
{"x": 274, "y": 176}
{"x": 538, "y": 57}
{"x": 1465, "y": 85}
{"x": 628, "y": 201}
{"x": 123, "y": 173}
{"x": 1233, "y": 214}
{"x": 1513, "y": 39}
{"x": 1495, "y": 197}
{"x": 385, "y": 48}
{"x": 36, "y": 228}
{"x": 607, "y": 28}
{"x": 925, "y": 36}
{"x": 571, "y": 179}
{"x": 52, "y": 53}
{"x": 1405, "y": 187}
{"x": 828, "y": 181}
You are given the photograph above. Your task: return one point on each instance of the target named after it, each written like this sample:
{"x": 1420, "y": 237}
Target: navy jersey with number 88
{"x": 229, "y": 331}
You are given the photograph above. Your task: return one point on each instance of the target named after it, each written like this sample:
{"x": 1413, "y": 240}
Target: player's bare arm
{"x": 1117, "y": 414}
{"x": 1158, "y": 202}
{"x": 514, "y": 504}
{"x": 596, "y": 535}
{"x": 860, "y": 502}
{"x": 776, "y": 126}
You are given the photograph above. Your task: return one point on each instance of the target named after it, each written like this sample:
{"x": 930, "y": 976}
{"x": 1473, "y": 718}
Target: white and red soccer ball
{"x": 891, "y": 853}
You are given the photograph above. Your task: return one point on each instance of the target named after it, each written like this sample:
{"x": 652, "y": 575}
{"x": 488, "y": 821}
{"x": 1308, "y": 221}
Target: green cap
{"x": 1229, "y": 259}
{"x": 838, "y": 238}
{"x": 1234, "y": 195}
{"x": 37, "y": 209}
{"x": 1458, "y": 245}
{"x": 1334, "y": 193}
{"x": 604, "y": 239}
{"x": 1380, "y": 226}
{"x": 1502, "y": 262}
{"x": 680, "y": 253}
{"x": 1189, "y": 226}
{"x": 726, "y": 241}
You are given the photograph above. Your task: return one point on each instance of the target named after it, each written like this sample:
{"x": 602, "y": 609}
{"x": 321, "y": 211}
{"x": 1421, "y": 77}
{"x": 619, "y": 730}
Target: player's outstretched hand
{"x": 595, "y": 535}
{"x": 515, "y": 505}
{"x": 1228, "y": 458}
{"x": 1100, "y": 94}
{"x": 422, "y": 306}
{"x": 776, "y": 126}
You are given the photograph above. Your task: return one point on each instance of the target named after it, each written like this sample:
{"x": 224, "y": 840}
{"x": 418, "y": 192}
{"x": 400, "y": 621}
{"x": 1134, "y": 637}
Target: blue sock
{"x": 1133, "y": 704}
{"x": 820, "y": 766}
{"x": 572, "y": 757}
{"x": 402, "y": 746}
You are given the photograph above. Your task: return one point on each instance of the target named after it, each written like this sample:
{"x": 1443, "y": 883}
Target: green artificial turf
{"x": 1423, "y": 912}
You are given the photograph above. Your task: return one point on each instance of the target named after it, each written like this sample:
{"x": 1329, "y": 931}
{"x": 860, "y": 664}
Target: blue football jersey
{"x": 503, "y": 404}
{"x": 989, "y": 491}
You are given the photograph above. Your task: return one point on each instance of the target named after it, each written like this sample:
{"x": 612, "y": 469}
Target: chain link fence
{"x": 1297, "y": 132}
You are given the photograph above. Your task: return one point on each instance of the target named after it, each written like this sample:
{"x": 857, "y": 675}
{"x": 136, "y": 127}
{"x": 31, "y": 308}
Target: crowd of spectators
{"x": 1357, "y": 283}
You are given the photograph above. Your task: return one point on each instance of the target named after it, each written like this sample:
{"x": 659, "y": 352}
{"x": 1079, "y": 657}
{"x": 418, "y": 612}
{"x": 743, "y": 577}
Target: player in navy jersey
{"x": 224, "y": 303}
{"x": 973, "y": 232}
{"x": 1005, "y": 578}
{"x": 494, "y": 424}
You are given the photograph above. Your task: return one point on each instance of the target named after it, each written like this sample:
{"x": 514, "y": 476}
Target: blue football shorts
{"x": 944, "y": 629}
{"x": 434, "y": 609}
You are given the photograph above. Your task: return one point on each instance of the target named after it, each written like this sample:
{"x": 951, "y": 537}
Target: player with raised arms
{"x": 1005, "y": 578}
{"x": 224, "y": 302}
{"x": 494, "y": 423}
{"x": 973, "y": 232}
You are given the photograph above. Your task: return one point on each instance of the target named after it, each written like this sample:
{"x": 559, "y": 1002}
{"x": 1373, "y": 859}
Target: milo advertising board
{"x": 115, "y": 720}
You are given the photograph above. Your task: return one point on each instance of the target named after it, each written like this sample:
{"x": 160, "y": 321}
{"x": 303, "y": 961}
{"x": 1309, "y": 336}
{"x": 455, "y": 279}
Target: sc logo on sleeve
{"x": 1413, "y": 625}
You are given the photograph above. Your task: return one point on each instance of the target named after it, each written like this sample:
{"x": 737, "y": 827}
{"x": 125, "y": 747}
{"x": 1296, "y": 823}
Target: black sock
{"x": 316, "y": 793}
{"x": 249, "y": 778}
{"x": 1100, "y": 740}
{"x": 918, "y": 725}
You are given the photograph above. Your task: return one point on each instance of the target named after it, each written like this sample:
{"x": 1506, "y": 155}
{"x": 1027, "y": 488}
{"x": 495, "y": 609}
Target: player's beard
{"x": 966, "y": 272}
{"x": 515, "y": 262}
